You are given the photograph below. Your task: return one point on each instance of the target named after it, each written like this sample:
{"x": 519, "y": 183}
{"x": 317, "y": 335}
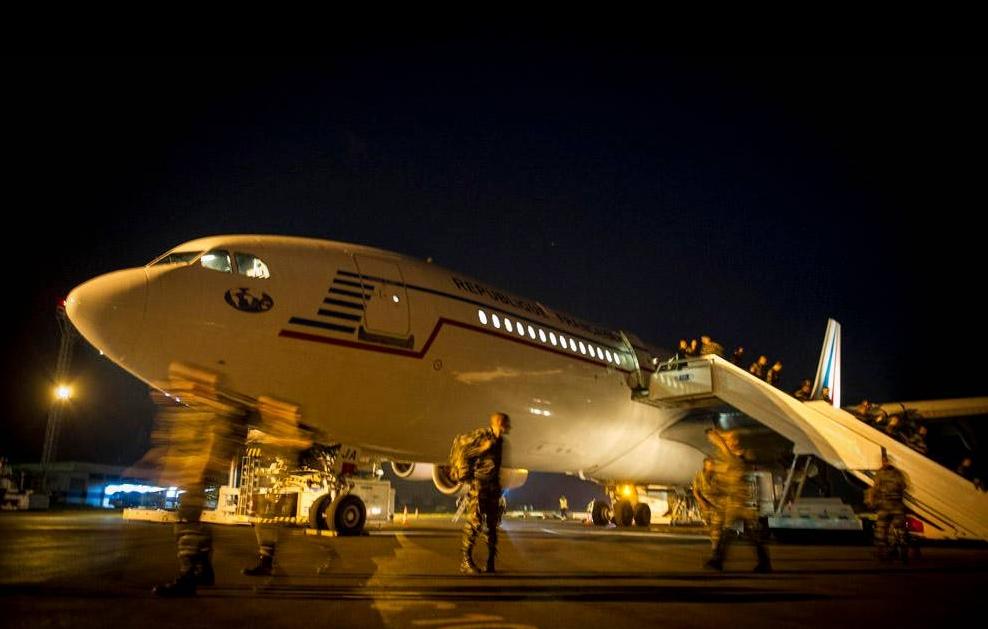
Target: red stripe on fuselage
{"x": 303, "y": 336}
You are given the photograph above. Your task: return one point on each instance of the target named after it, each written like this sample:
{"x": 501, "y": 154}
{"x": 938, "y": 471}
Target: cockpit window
{"x": 177, "y": 257}
{"x": 251, "y": 266}
{"x": 217, "y": 260}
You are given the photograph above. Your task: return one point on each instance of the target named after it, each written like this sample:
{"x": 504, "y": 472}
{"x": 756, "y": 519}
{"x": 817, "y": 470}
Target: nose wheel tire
{"x": 346, "y": 515}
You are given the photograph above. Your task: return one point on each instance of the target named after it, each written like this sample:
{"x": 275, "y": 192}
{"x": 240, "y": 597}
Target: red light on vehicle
{"x": 914, "y": 525}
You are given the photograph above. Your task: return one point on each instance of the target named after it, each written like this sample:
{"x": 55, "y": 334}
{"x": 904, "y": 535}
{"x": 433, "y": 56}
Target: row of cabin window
{"x": 561, "y": 341}
{"x": 220, "y": 260}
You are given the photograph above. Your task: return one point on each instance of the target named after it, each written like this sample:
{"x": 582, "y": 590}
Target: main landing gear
{"x": 623, "y": 509}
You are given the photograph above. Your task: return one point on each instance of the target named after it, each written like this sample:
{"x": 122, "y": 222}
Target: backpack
{"x": 461, "y": 457}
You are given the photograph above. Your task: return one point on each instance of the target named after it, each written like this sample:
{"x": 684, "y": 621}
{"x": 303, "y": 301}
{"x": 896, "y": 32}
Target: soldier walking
{"x": 193, "y": 443}
{"x": 759, "y": 367}
{"x": 705, "y": 492}
{"x": 730, "y": 479}
{"x": 280, "y": 437}
{"x": 483, "y": 463}
{"x": 886, "y": 497}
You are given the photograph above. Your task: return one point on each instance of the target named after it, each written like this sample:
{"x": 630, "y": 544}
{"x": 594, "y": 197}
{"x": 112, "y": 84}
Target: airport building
{"x": 82, "y": 484}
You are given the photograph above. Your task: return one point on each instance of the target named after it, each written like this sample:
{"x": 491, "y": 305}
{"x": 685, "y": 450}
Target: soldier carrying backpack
{"x": 475, "y": 459}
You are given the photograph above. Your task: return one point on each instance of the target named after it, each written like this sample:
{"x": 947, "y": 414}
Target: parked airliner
{"x": 394, "y": 356}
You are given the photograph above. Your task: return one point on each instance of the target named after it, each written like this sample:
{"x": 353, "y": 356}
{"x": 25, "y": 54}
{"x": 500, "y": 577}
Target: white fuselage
{"x": 390, "y": 354}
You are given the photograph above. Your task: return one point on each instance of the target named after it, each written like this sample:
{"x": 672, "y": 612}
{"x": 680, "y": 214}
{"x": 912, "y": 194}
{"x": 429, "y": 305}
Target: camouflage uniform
{"x": 757, "y": 369}
{"x": 192, "y": 448}
{"x": 917, "y": 442}
{"x": 483, "y": 496}
{"x": 886, "y": 497}
{"x": 772, "y": 376}
{"x": 736, "y": 505}
{"x": 709, "y": 347}
{"x": 705, "y": 492}
{"x": 280, "y": 438}
{"x": 802, "y": 394}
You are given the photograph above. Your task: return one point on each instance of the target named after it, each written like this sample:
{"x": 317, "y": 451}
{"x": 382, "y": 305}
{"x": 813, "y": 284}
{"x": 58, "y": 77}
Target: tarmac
{"x": 93, "y": 569}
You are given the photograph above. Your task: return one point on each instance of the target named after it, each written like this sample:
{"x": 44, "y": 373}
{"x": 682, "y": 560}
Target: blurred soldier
{"x": 705, "y": 493}
{"x": 894, "y": 427}
{"x": 758, "y": 367}
{"x": 966, "y": 470}
{"x": 484, "y": 459}
{"x": 737, "y": 505}
{"x": 869, "y": 413}
{"x": 862, "y": 411}
{"x": 774, "y": 374}
{"x": 886, "y": 497}
{"x": 563, "y": 507}
{"x": 804, "y": 391}
{"x": 6, "y": 478}
{"x": 709, "y": 346}
{"x": 192, "y": 445}
{"x": 917, "y": 441}
{"x": 682, "y": 350}
{"x": 280, "y": 438}
{"x": 693, "y": 349}
{"x": 737, "y": 358}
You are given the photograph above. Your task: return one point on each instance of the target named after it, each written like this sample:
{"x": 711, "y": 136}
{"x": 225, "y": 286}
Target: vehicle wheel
{"x": 643, "y": 514}
{"x": 347, "y": 515}
{"x": 623, "y": 513}
{"x": 317, "y": 518}
{"x": 600, "y": 513}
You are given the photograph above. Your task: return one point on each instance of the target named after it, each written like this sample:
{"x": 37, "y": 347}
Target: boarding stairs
{"x": 950, "y": 506}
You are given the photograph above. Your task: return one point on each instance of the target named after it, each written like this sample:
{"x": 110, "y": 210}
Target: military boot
{"x": 467, "y": 566}
{"x": 716, "y": 561}
{"x": 183, "y": 585}
{"x": 490, "y": 564}
{"x": 202, "y": 569}
{"x": 264, "y": 567}
{"x": 265, "y": 563}
{"x": 764, "y": 564}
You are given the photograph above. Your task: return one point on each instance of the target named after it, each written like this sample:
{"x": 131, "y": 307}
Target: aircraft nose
{"x": 109, "y": 311}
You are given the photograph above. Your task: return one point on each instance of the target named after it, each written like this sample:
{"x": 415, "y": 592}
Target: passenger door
{"x": 386, "y": 309}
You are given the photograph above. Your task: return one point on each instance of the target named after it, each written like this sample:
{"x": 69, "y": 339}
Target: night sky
{"x": 746, "y": 198}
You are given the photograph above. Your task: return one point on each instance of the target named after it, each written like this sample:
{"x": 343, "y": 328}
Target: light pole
{"x": 63, "y": 392}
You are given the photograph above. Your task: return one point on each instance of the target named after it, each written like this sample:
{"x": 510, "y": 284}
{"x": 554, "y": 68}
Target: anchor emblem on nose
{"x": 242, "y": 299}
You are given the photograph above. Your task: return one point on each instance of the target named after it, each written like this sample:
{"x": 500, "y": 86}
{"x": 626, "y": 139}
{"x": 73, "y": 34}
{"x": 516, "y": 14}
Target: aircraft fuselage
{"x": 388, "y": 353}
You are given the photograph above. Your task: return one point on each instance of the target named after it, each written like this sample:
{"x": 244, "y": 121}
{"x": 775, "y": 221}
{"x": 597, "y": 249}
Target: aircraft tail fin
{"x": 828, "y": 369}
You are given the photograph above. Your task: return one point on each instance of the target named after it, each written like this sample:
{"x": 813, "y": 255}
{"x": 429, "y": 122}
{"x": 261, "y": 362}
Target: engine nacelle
{"x": 442, "y": 480}
{"x": 512, "y": 478}
{"x": 412, "y": 471}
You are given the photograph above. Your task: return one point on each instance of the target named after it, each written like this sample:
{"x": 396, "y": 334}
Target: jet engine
{"x": 442, "y": 480}
{"x": 510, "y": 479}
{"x": 412, "y": 471}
